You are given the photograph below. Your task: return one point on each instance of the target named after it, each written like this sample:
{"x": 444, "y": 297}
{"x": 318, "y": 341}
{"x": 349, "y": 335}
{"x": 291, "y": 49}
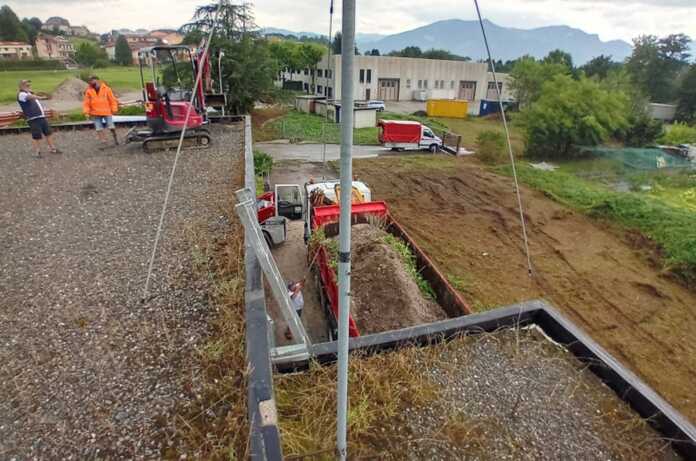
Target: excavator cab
{"x": 168, "y": 74}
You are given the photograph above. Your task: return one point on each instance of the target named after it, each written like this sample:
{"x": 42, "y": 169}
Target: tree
{"x": 686, "y": 108}
{"x": 373, "y": 52}
{"x": 559, "y": 57}
{"x": 528, "y": 77}
{"x": 600, "y": 66}
{"x": 31, "y": 27}
{"x": 248, "y": 68}
{"x": 655, "y": 64}
{"x": 337, "y": 43}
{"x": 572, "y": 112}
{"x": 88, "y": 55}
{"x": 311, "y": 54}
{"x": 10, "y": 27}
{"x": 123, "y": 55}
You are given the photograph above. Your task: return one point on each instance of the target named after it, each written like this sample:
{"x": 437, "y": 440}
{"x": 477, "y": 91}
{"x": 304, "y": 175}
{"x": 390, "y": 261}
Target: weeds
{"x": 318, "y": 240}
{"x": 409, "y": 260}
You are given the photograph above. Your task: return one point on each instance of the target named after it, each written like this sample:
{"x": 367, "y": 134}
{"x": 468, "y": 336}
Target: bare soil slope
{"x": 602, "y": 278}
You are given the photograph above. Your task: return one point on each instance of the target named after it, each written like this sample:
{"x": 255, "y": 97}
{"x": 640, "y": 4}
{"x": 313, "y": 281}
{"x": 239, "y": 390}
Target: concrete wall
{"x": 364, "y": 118}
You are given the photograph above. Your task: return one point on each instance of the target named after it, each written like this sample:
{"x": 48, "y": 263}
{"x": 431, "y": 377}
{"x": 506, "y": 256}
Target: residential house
{"x": 391, "y": 78}
{"x": 168, "y": 36}
{"x": 15, "y": 50}
{"x": 54, "y": 47}
{"x": 80, "y": 31}
{"x": 134, "y": 44}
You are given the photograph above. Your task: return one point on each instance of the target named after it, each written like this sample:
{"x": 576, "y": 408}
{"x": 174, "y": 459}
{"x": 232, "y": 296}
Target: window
{"x": 320, "y": 90}
{"x": 367, "y": 94}
{"x": 442, "y": 84}
{"x": 452, "y": 85}
{"x": 369, "y": 76}
{"x": 329, "y": 92}
{"x": 306, "y": 71}
{"x": 328, "y": 73}
{"x": 420, "y": 84}
{"x": 408, "y": 83}
{"x": 428, "y": 134}
{"x": 425, "y": 84}
{"x": 491, "y": 94}
{"x": 362, "y": 75}
{"x": 320, "y": 73}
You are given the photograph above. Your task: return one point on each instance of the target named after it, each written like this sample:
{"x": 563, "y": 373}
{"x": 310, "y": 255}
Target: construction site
{"x": 185, "y": 295}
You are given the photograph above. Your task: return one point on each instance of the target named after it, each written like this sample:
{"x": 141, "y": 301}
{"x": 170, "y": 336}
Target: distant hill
{"x": 464, "y": 38}
{"x": 360, "y": 39}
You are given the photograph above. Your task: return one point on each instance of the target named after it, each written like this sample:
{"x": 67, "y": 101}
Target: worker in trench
{"x": 100, "y": 105}
{"x": 36, "y": 118}
{"x": 297, "y": 300}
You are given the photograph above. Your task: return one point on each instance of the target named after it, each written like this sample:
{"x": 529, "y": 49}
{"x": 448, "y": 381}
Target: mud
{"x": 466, "y": 219}
{"x": 72, "y": 89}
{"x": 385, "y": 295}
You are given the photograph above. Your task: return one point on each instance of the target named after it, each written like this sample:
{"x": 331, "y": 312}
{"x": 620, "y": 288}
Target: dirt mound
{"x": 385, "y": 295}
{"x": 72, "y": 89}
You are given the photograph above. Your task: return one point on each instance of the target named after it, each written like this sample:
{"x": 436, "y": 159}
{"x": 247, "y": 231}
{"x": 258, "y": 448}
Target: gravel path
{"x": 513, "y": 395}
{"x": 88, "y": 371}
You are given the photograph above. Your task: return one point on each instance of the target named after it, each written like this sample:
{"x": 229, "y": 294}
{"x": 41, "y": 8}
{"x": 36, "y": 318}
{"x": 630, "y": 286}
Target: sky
{"x": 610, "y": 19}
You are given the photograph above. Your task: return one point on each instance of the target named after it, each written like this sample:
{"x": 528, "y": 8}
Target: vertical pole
{"x": 347, "y": 79}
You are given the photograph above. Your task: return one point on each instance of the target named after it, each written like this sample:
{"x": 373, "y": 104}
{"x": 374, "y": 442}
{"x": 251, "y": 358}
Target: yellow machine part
{"x": 451, "y": 108}
{"x": 356, "y": 195}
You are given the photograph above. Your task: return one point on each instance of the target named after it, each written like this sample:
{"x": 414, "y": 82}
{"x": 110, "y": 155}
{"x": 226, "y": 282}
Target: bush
{"x": 263, "y": 163}
{"x": 642, "y": 131}
{"x": 85, "y": 74}
{"x": 132, "y": 110}
{"x": 491, "y": 147}
{"x": 101, "y": 63}
{"x": 679, "y": 133}
{"x": 31, "y": 64}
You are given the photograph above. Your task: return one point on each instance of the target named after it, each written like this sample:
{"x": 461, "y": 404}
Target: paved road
{"x": 315, "y": 152}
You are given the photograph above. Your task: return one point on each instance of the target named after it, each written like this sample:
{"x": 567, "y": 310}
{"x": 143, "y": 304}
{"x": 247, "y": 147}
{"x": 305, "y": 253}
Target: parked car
{"x": 376, "y": 104}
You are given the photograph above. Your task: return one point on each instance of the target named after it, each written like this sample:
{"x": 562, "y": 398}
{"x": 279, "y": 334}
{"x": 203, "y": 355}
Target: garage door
{"x": 389, "y": 89}
{"x": 467, "y": 90}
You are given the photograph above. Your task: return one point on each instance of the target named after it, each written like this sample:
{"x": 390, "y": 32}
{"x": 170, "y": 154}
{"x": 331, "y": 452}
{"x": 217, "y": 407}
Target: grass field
{"x": 470, "y": 128}
{"x": 119, "y": 78}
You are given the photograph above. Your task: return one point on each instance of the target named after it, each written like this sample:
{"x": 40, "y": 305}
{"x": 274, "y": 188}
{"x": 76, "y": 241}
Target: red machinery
{"x": 167, "y": 92}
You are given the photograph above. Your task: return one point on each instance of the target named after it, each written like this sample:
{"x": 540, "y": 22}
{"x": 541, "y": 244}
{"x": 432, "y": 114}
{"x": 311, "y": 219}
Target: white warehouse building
{"x": 407, "y": 79}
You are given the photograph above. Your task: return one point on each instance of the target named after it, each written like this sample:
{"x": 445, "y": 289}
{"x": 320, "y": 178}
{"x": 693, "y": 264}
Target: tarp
{"x": 399, "y": 131}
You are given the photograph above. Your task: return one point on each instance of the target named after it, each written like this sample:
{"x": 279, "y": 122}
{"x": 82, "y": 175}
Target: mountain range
{"x": 463, "y": 38}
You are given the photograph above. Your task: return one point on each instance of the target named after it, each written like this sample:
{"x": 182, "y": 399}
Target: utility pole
{"x": 347, "y": 79}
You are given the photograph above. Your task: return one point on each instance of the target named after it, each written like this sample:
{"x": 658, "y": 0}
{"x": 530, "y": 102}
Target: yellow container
{"x": 450, "y": 108}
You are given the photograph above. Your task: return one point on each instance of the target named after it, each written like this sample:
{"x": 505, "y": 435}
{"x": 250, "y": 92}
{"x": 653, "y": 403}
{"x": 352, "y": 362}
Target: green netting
{"x": 640, "y": 158}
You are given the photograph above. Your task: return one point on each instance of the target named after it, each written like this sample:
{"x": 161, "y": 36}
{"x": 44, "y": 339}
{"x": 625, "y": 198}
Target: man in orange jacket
{"x": 100, "y": 105}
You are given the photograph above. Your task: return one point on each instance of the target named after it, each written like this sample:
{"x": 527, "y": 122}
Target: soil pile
{"x": 385, "y": 295}
{"x": 72, "y": 89}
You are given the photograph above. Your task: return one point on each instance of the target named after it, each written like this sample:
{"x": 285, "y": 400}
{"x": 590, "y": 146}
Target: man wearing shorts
{"x": 36, "y": 118}
{"x": 100, "y": 105}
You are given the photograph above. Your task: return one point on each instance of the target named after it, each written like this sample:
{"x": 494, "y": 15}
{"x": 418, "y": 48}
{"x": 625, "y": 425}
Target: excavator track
{"x": 196, "y": 140}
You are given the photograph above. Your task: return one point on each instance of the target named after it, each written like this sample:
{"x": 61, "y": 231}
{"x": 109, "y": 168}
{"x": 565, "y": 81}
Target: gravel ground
{"x": 88, "y": 371}
{"x": 510, "y": 395}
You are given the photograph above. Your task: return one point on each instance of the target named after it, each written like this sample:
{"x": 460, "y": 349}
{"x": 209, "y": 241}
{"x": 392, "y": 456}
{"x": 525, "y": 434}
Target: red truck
{"x": 407, "y": 134}
{"x": 326, "y": 217}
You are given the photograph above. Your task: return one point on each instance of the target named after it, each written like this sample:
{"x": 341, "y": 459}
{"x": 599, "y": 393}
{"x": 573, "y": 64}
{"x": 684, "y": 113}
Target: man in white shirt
{"x": 36, "y": 117}
{"x": 295, "y": 293}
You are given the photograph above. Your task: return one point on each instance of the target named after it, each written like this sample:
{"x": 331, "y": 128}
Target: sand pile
{"x": 385, "y": 295}
{"x": 72, "y": 89}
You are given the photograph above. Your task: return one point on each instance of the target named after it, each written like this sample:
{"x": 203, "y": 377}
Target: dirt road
{"x": 602, "y": 278}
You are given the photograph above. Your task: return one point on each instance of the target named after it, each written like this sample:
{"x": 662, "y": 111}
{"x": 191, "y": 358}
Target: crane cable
{"x": 509, "y": 143}
{"x": 146, "y": 291}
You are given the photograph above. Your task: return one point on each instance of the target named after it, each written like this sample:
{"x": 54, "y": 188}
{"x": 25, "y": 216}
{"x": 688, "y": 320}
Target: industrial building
{"x": 390, "y": 78}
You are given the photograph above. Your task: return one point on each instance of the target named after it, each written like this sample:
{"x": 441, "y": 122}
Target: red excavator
{"x": 168, "y": 74}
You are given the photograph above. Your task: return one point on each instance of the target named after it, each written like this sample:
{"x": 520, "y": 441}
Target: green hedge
{"x": 31, "y": 64}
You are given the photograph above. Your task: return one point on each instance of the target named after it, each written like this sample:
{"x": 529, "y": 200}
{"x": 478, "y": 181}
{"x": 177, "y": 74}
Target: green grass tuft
{"x": 409, "y": 260}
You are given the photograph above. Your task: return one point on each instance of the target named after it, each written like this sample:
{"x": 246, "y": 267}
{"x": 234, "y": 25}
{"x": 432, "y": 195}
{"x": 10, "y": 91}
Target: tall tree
{"x": 248, "y": 69}
{"x": 655, "y": 64}
{"x": 560, "y": 57}
{"x": 10, "y": 26}
{"x": 373, "y": 52}
{"x": 529, "y": 75}
{"x": 600, "y": 66}
{"x": 123, "y": 54}
{"x": 311, "y": 55}
{"x": 31, "y": 27}
{"x": 88, "y": 54}
{"x": 686, "y": 109}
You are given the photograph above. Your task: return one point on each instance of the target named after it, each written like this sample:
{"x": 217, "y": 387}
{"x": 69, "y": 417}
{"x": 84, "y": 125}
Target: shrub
{"x": 31, "y": 64}
{"x": 491, "y": 147}
{"x": 679, "y": 133}
{"x": 263, "y": 163}
{"x": 642, "y": 131}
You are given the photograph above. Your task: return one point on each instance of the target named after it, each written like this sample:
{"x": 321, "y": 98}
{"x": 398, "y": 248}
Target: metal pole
{"x": 329, "y": 58}
{"x": 347, "y": 57}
